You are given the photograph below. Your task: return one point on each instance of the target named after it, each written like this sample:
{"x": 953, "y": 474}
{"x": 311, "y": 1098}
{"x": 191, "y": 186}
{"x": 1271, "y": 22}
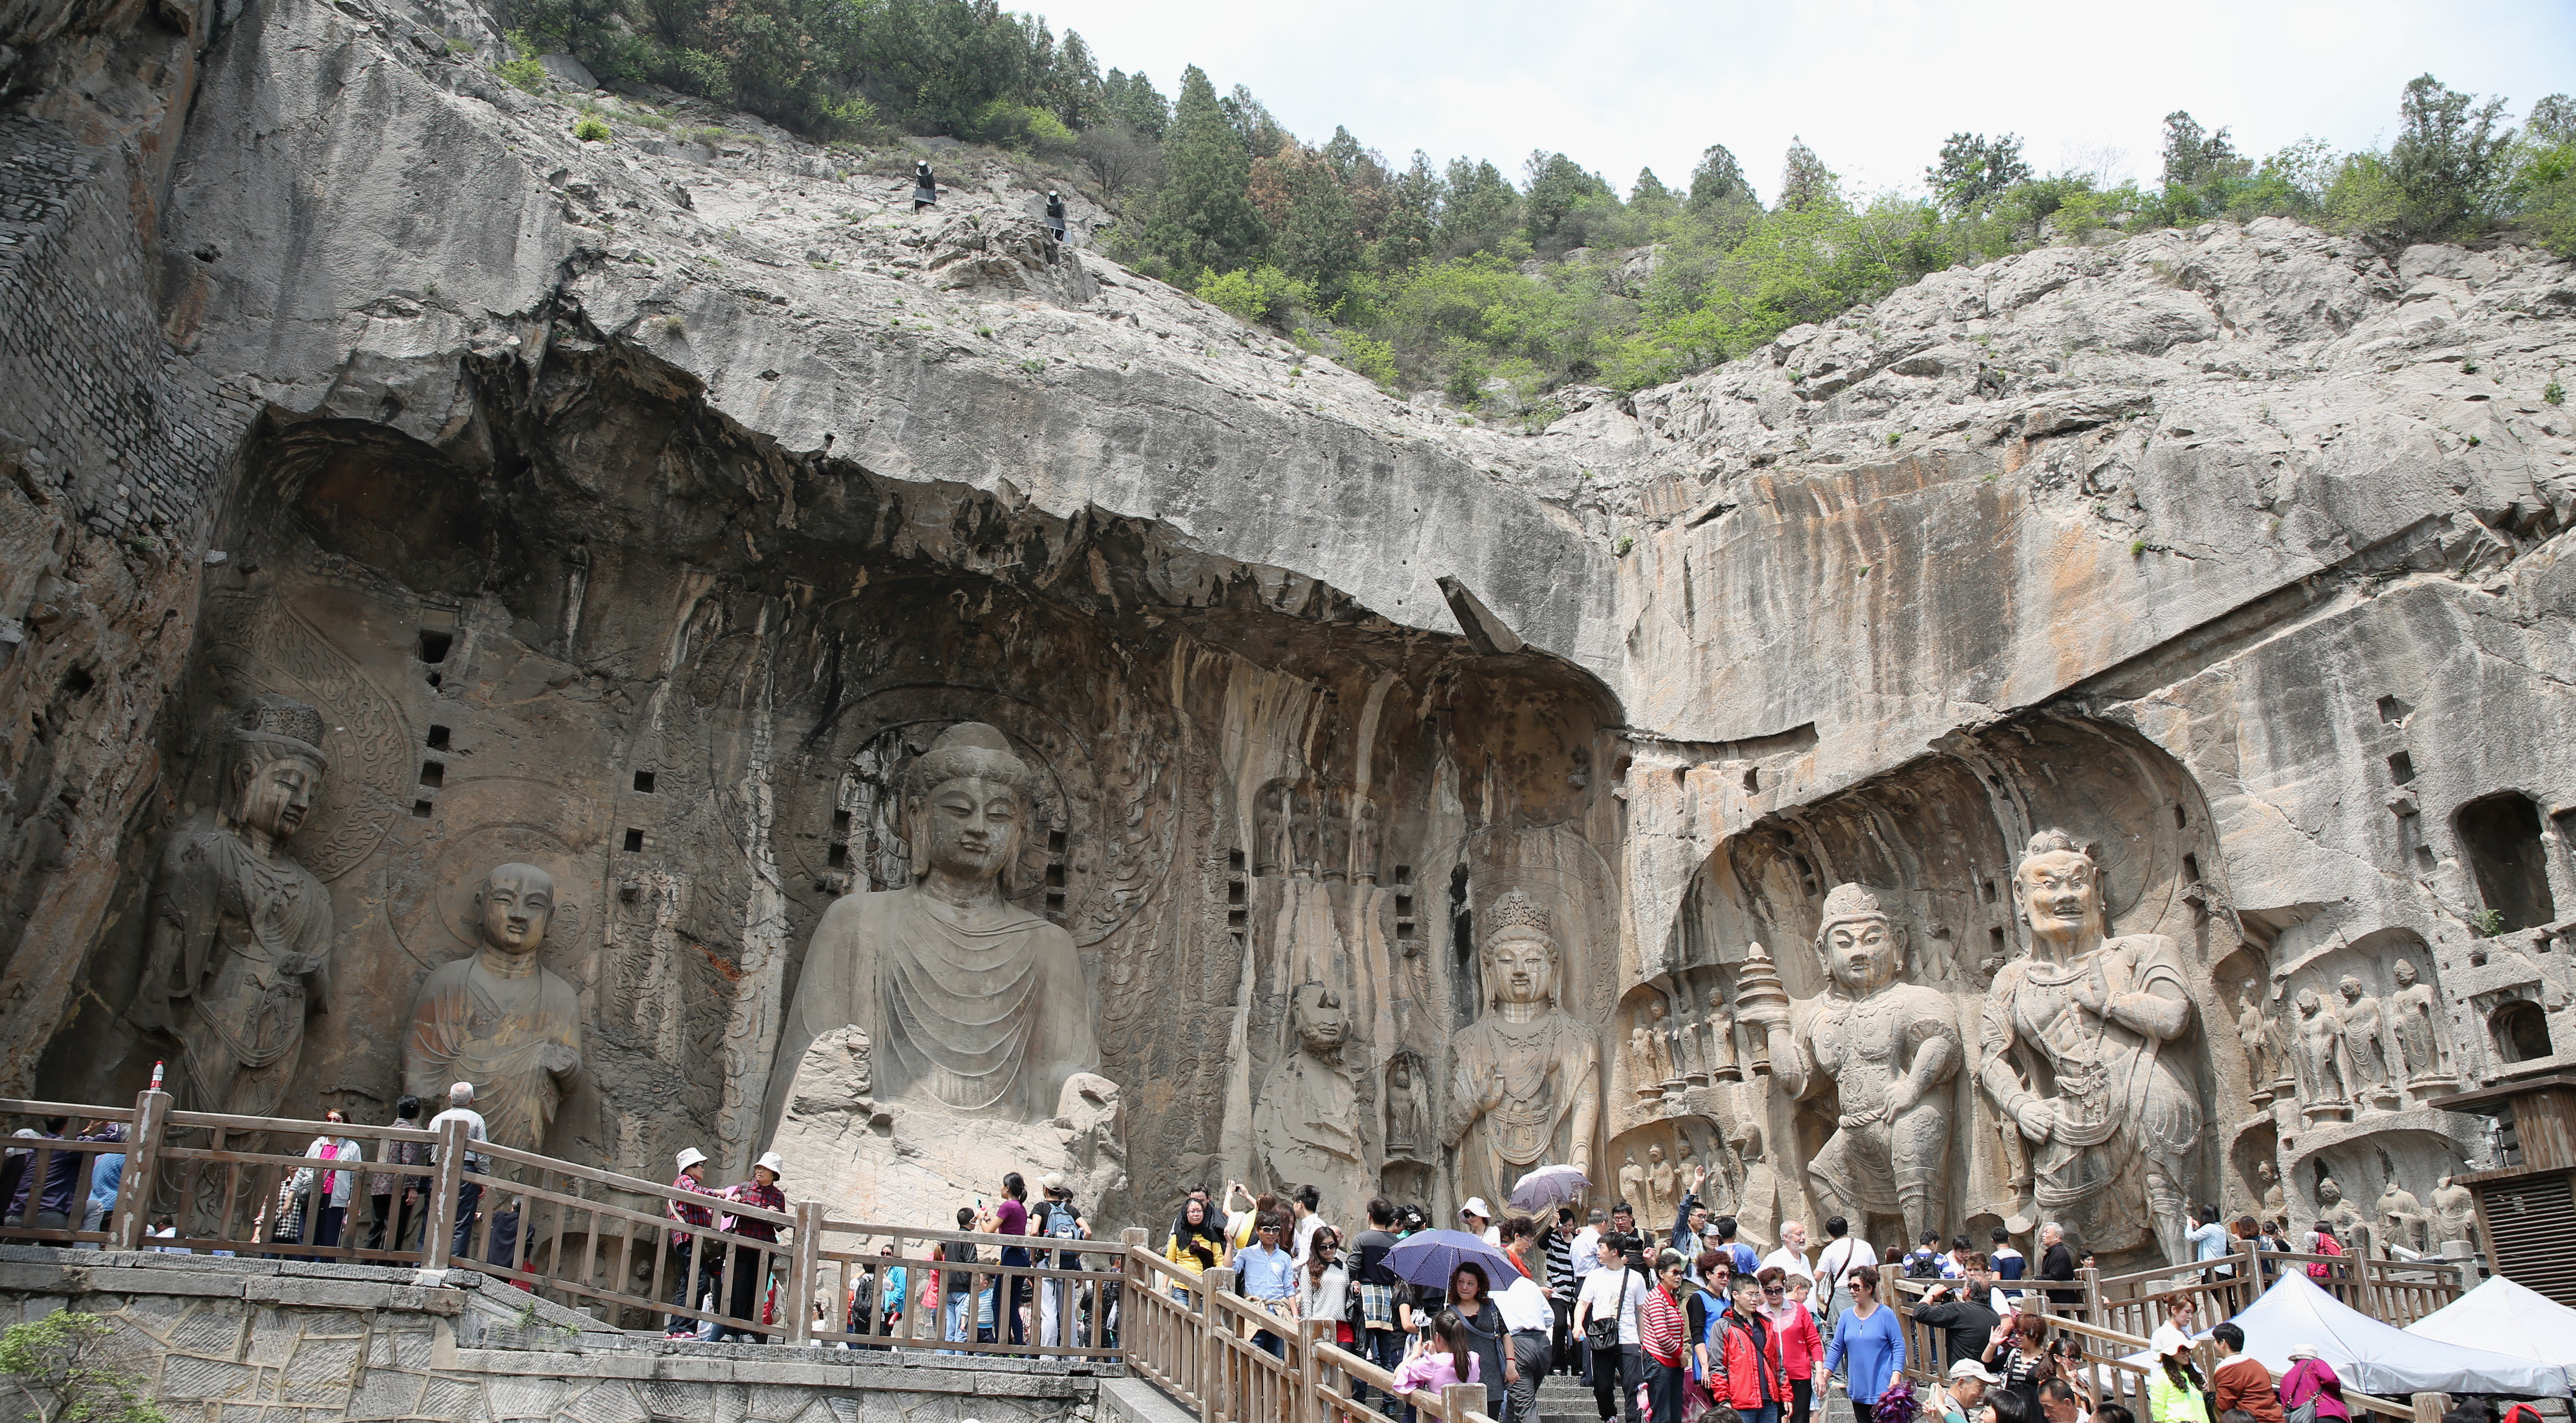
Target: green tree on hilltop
{"x": 1557, "y": 186}
{"x": 2448, "y": 157}
{"x": 1204, "y": 217}
{"x": 2194, "y": 156}
{"x": 1649, "y": 197}
{"x": 1806, "y": 184}
{"x": 1974, "y": 167}
{"x": 1718, "y": 182}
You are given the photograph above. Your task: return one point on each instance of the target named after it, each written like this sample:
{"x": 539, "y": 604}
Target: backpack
{"x": 2320, "y": 1270}
{"x": 1920, "y": 1266}
{"x": 1063, "y": 1224}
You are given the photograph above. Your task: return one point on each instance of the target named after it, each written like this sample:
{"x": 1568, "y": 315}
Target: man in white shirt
{"x": 1532, "y": 1321}
{"x": 1302, "y": 1204}
{"x": 1613, "y": 1287}
{"x": 1844, "y": 1252}
{"x": 460, "y": 1107}
{"x": 1587, "y": 1242}
{"x": 1791, "y": 1257}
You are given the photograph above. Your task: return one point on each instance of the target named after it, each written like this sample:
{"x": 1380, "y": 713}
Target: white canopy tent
{"x": 2505, "y": 1318}
{"x": 2378, "y": 1358}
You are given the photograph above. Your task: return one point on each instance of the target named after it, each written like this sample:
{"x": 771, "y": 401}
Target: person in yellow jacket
{"x": 2176, "y": 1393}
{"x": 1198, "y": 1243}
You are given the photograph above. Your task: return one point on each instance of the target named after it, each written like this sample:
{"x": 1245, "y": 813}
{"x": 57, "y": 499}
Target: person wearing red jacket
{"x": 1784, "y": 1299}
{"x": 1746, "y": 1363}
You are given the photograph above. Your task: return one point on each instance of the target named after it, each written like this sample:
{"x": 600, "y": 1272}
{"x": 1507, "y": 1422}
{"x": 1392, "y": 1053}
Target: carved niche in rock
{"x": 500, "y": 1019}
{"x": 2081, "y": 1049}
{"x": 1887, "y": 1050}
{"x": 1305, "y": 1121}
{"x": 240, "y": 934}
{"x": 970, "y": 1003}
{"x": 1525, "y": 1079}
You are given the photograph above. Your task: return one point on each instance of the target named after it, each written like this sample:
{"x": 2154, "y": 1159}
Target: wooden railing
{"x": 2398, "y": 1292}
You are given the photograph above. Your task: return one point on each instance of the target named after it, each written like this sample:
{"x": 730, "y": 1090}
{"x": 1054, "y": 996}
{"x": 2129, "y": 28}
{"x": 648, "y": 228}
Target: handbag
{"x": 1603, "y": 1334}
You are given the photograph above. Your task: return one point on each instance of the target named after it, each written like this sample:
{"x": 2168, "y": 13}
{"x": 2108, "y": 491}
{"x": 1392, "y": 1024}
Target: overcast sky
{"x": 1873, "y": 88}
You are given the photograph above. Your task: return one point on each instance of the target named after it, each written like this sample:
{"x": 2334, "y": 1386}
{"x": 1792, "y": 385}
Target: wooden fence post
{"x": 2092, "y": 1280}
{"x": 1212, "y": 1323}
{"x": 440, "y": 1228}
{"x": 798, "y": 1298}
{"x": 142, "y": 1158}
{"x": 1133, "y": 1279}
{"x": 1460, "y": 1399}
{"x": 1310, "y": 1370}
{"x": 2429, "y": 1407}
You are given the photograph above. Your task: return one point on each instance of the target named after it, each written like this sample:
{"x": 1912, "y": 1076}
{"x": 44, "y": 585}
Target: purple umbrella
{"x": 1547, "y": 1186}
{"x": 1431, "y": 1257}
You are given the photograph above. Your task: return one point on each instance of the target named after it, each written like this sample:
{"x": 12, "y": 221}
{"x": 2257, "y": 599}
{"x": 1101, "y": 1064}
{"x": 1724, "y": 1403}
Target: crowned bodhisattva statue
{"x": 1525, "y": 1080}
{"x": 238, "y": 948}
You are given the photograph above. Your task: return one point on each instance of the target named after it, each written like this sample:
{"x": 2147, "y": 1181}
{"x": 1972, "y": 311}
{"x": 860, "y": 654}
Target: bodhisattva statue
{"x": 2081, "y": 1049}
{"x": 1306, "y": 1123}
{"x": 2455, "y": 1212}
{"x": 969, "y": 1002}
{"x": 1632, "y": 1185}
{"x": 2323, "y": 1079}
{"x": 240, "y": 936}
{"x": 500, "y": 1019}
{"x": 2254, "y": 1035}
{"x": 2366, "y": 1055}
{"x": 1720, "y": 1031}
{"x": 1526, "y": 1080}
{"x": 2276, "y": 1203}
{"x": 2419, "y": 1027}
{"x": 2343, "y": 1215}
{"x": 1886, "y": 1049}
{"x": 1405, "y": 1133}
{"x": 1663, "y": 1186}
{"x": 2403, "y": 1222}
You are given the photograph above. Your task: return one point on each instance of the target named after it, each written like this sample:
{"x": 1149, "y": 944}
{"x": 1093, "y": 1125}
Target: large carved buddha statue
{"x": 969, "y": 1002}
{"x": 240, "y": 936}
{"x": 1886, "y": 1050}
{"x": 2081, "y": 1049}
{"x": 1525, "y": 1084}
{"x": 500, "y": 1019}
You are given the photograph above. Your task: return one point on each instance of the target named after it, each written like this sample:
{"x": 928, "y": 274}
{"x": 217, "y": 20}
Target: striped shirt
{"x": 1660, "y": 1327}
{"x": 1561, "y": 1279}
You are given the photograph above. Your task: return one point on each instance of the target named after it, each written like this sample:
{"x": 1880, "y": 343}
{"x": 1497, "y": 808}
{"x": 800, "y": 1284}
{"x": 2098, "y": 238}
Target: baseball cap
{"x": 1971, "y": 1369}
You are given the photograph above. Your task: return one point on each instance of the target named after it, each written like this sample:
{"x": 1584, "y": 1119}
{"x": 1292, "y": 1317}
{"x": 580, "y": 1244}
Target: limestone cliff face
{"x": 638, "y": 509}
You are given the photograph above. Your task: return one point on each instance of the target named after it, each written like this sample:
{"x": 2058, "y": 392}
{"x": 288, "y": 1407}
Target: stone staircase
{"x": 1566, "y": 1398}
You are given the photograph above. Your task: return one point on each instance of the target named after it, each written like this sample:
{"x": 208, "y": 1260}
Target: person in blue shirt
{"x": 1268, "y": 1275}
{"x": 105, "y": 1180}
{"x": 2209, "y": 1239}
{"x": 1868, "y": 1348}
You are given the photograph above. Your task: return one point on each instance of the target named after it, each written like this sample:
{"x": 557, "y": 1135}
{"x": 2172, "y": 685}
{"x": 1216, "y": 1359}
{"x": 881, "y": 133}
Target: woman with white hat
{"x": 695, "y": 1284}
{"x": 750, "y": 1272}
{"x": 2176, "y": 1393}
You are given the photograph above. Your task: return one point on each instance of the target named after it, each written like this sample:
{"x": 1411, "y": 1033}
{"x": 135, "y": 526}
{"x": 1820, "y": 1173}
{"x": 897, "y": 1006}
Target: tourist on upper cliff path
{"x": 750, "y": 1270}
{"x": 2057, "y": 1262}
{"x": 383, "y": 1186}
{"x": 925, "y": 188}
{"x": 699, "y": 1282}
{"x": 53, "y": 1206}
{"x": 1055, "y": 214}
{"x": 106, "y": 1182}
{"x": 1868, "y": 1347}
{"x": 327, "y": 1189}
{"x": 469, "y": 1196}
{"x": 958, "y": 1292}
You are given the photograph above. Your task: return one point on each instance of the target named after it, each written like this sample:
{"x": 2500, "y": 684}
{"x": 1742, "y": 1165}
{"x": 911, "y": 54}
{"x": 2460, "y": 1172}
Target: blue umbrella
{"x": 1431, "y": 1257}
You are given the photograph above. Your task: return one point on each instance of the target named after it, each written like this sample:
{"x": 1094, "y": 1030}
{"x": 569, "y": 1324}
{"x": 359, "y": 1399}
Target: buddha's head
{"x": 2059, "y": 886}
{"x": 1520, "y": 955}
{"x": 514, "y": 905}
{"x": 971, "y": 798}
{"x": 2404, "y": 972}
{"x": 2350, "y": 988}
{"x": 1863, "y": 949}
{"x": 1321, "y": 1025}
{"x": 273, "y": 765}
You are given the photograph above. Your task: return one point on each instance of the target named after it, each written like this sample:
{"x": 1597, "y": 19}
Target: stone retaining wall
{"x": 270, "y": 1341}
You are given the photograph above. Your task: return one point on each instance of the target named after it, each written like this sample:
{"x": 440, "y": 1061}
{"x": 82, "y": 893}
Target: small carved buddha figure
{"x": 240, "y": 935}
{"x": 500, "y": 1019}
{"x": 2362, "y": 1047}
{"x": 2419, "y": 1027}
{"x": 1886, "y": 1049}
{"x": 2323, "y": 1076}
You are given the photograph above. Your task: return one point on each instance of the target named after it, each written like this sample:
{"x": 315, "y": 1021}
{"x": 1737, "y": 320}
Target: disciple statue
{"x": 1306, "y": 1120}
{"x": 1719, "y": 1031}
{"x": 2364, "y": 1052}
{"x": 1886, "y": 1050}
{"x": 1405, "y": 1133}
{"x": 2081, "y": 1048}
{"x": 1632, "y": 1185}
{"x": 2276, "y": 1203}
{"x": 2419, "y": 1027}
{"x": 1525, "y": 1083}
{"x": 2343, "y": 1215}
{"x": 238, "y": 943}
{"x": 2403, "y": 1223}
{"x": 499, "y": 1019}
{"x": 1642, "y": 1073}
{"x": 1757, "y": 1187}
{"x": 1659, "y": 1044}
{"x": 973, "y": 1005}
{"x": 2323, "y": 1079}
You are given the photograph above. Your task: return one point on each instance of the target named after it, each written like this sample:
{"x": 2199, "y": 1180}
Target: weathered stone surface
{"x": 643, "y": 518}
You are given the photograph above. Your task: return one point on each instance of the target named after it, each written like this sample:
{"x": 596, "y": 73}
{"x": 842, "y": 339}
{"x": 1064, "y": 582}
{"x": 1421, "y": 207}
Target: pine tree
{"x": 1405, "y": 236}
{"x": 1806, "y": 183}
{"x": 1649, "y": 195}
{"x": 1204, "y": 217}
{"x": 1718, "y": 181}
{"x": 1973, "y": 167}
